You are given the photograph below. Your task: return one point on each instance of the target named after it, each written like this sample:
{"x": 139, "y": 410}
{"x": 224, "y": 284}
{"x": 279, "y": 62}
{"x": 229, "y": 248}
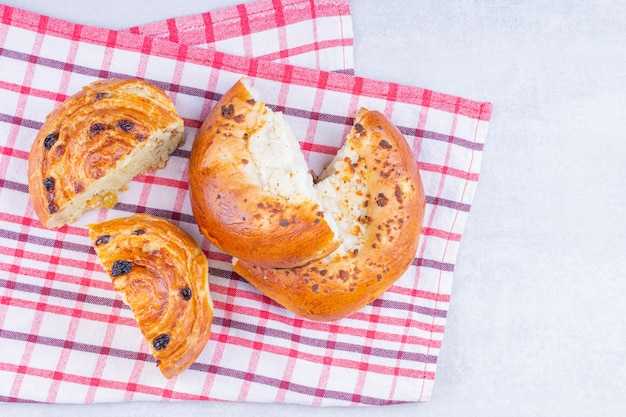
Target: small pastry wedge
{"x": 162, "y": 275}
{"x": 95, "y": 142}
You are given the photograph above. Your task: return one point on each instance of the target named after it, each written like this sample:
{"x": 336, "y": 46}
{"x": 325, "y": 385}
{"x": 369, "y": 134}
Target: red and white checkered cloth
{"x": 66, "y": 336}
{"x": 314, "y": 34}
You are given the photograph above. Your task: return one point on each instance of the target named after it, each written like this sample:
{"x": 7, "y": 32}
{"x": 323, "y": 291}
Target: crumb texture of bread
{"x": 162, "y": 275}
{"x": 95, "y": 142}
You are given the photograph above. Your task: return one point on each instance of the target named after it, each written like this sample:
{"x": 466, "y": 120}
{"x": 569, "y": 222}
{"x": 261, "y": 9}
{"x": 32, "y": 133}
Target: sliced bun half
{"x": 251, "y": 191}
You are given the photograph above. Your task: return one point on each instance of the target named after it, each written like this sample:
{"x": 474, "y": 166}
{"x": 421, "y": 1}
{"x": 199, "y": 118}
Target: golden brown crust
{"x": 232, "y": 210}
{"x": 334, "y": 287}
{"x": 162, "y": 274}
{"x": 88, "y": 136}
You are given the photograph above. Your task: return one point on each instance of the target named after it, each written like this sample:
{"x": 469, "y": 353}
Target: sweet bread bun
{"x": 374, "y": 191}
{"x": 251, "y": 192}
{"x": 95, "y": 142}
{"x": 322, "y": 250}
{"x": 162, "y": 274}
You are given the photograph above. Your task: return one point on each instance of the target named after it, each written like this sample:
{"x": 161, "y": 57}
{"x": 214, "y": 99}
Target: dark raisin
{"x": 384, "y": 144}
{"x": 161, "y": 341}
{"x": 52, "y": 208}
{"x": 97, "y": 128}
{"x": 314, "y": 287}
{"x": 49, "y": 184}
{"x": 50, "y": 140}
{"x": 125, "y": 125}
{"x": 283, "y": 222}
{"x": 120, "y": 268}
{"x": 398, "y": 194}
{"x": 186, "y": 293}
{"x": 102, "y": 240}
{"x": 251, "y": 101}
{"x": 240, "y": 118}
{"x": 359, "y": 127}
{"x": 101, "y": 95}
{"x": 381, "y": 200}
{"x": 228, "y": 111}
{"x": 139, "y": 232}
{"x": 139, "y": 137}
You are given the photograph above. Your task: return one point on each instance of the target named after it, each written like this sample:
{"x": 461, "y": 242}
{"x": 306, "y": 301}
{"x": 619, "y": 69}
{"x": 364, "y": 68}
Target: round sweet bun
{"x": 374, "y": 192}
{"x": 162, "y": 275}
{"x": 95, "y": 142}
{"x": 251, "y": 191}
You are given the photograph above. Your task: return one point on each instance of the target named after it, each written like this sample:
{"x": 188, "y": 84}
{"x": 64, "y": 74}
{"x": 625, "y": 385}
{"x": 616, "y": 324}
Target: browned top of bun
{"x": 232, "y": 209}
{"x": 162, "y": 274}
{"x": 338, "y": 285}
{"x": 89, "y": 135}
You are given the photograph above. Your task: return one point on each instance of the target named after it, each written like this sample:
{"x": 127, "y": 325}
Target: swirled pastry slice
{"x": 162, "y": 274}
{"x": 95, "y": 142}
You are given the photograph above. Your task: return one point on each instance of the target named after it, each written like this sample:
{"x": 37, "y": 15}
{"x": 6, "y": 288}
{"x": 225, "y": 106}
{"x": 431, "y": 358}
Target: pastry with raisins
{"x": 162, "y": 275}
{"x": 95, "y": 142}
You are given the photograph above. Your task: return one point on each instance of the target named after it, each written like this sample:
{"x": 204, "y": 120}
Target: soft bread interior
{"x": 280, "y": 168}
{"x": 280, "y": 165}
{"x": 103, "y": 192}
{"x": 343, "y": 192}
{"x": 277, "y": 161}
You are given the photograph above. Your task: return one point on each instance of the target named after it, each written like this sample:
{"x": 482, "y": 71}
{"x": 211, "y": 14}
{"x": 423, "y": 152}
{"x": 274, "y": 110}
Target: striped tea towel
{"x": 65, "y": 334}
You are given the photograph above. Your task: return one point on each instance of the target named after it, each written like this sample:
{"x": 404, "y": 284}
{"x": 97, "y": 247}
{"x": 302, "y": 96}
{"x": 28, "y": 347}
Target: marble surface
{"x": 537, "y": 324}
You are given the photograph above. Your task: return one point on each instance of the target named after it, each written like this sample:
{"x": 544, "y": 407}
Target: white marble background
{"x": 537, "y": 324}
